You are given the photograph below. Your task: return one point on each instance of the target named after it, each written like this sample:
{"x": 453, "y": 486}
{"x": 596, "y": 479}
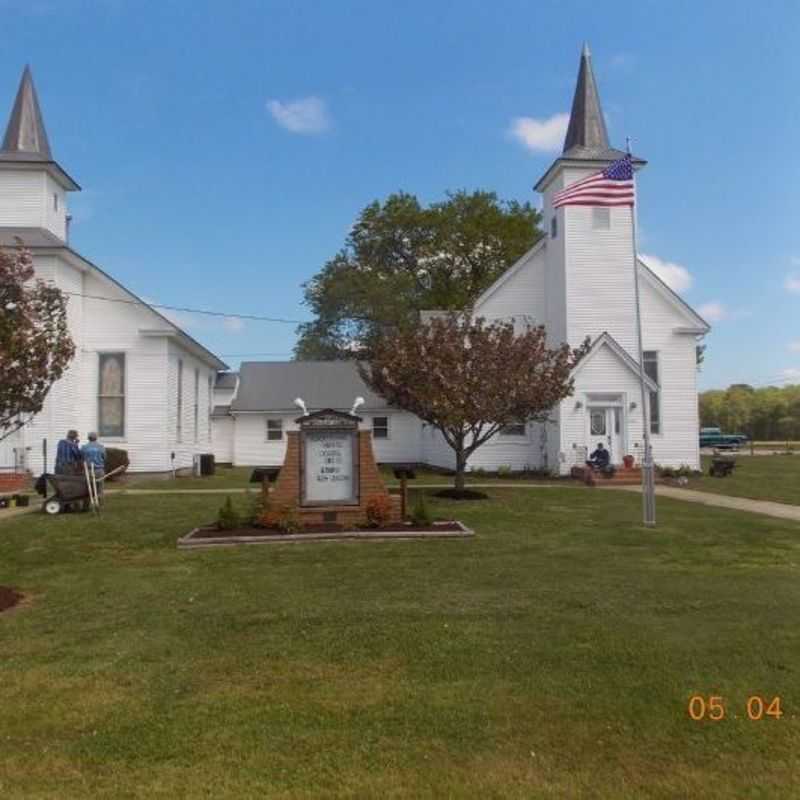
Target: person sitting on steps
{"x": 600, "y": 459}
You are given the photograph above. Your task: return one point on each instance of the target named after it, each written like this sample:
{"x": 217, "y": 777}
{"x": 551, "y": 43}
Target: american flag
{"x": 611, "y": 187}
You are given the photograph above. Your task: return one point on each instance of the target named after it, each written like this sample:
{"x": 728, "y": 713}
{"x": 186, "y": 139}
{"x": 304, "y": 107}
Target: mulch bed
{"x": 462, "y": 494}
{"x": 210, "y": 536}
{"x": 203, "y": 533}
{"x": 9, "y": 597}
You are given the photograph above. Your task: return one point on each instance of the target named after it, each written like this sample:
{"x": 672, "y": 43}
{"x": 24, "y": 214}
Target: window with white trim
{"x": 111, "y": 394}
{"x": 380, "y": 427}
{"x": 515, "y": 429}
{"x": 274, "y": 430}
{"x": 196, "y": 404}
{"x": 601, "y": 218}
{"x": 553, "y": 226}
{"x": 650, "y": 362}
{"x": 179, "y": 404}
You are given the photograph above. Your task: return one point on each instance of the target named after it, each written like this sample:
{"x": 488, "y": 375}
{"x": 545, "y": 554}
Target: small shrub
{"x": 420, "y": 514}
{"x": 256, "y": 506}
{"x": 379, "y": 510}
{"x": 504, "y": 471}
{"x": 116, "y": 457}
{"x": 284, "y": 518}
{"x": 228, "y": 518}
{"x": 478, "y": 472}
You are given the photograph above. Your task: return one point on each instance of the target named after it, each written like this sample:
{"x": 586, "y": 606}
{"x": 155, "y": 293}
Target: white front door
{"x": 605, "y": 425}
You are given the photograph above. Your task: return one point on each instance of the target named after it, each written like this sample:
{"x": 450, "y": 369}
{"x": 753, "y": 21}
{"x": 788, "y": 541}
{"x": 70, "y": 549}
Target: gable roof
{"x": 226, "y": 380}
{"x": 697, "y": 324}
{"x": 42, "y": 241}
{"x": 271, "y": 386}
{"x": 605, "y": 339}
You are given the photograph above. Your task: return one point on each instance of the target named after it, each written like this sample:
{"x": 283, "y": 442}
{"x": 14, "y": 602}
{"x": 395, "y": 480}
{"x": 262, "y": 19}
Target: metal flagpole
{"x": 648, "y": 477}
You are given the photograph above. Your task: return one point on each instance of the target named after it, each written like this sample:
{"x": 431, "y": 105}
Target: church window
{"x": 274, "y": 430}
{"x": 601, "y": 218}
{"x": 553, "y": 227}
{"x": 179, "y": 405}
{"x": 111, "y": 395}
{"x": 650, "y": 361}
{"x": 55, "y": 202}
{"x": 196, "y": 404}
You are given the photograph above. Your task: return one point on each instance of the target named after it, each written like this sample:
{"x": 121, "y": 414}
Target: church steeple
{"x": 587, "y": 136}
{"x": 25, "y": 134}
{"x": 586, "y": 142}
{"x": 25, "y": 144}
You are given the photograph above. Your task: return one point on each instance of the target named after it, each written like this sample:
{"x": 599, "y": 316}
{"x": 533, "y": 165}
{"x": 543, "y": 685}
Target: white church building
{"x": 137, "y": 379}
{"x": 577, "y": 281}
{"x": 146, "y": 385}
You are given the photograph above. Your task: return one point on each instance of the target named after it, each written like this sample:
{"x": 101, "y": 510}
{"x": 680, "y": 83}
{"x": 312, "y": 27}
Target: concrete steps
{"x": 621, "y": 477}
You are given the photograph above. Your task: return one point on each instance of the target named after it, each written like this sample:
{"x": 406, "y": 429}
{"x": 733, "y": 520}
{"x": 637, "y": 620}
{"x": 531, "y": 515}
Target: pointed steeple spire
{"x": 586, "y": 135}
{"x": 25, "y": 133}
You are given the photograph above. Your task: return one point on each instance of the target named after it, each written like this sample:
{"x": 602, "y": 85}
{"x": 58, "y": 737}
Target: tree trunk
{"x": 461, "y": 468}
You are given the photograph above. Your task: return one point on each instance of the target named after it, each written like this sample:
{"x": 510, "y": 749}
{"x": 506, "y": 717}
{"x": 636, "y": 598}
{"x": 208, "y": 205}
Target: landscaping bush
{"x": 256, "y": 506}
{"x": 504, "y": 471}
{"x": 228, "y": 518}
{"x": 379, "y": 510}
{"x": 287, "y": 521}
{"x": 420, "y": 514}
{"x": 116, "y": 457}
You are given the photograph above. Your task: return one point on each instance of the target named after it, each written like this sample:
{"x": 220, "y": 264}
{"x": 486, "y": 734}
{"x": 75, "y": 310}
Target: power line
{"x": 251, "y": 317}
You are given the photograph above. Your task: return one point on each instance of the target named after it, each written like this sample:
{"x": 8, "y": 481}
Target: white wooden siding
{"x": 22, "y": 198}
{"x": 222, "y": 439}
{"x": 251, "y": 448}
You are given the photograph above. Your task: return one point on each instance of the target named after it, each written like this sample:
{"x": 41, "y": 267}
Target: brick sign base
{"x": 287, "y": 491}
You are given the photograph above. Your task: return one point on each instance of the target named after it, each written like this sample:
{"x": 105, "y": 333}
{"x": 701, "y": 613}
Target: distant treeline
{"x": 768, "y": 414}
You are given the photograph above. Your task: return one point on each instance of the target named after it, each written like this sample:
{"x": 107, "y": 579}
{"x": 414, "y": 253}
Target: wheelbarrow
{"x": 68, "y": 492}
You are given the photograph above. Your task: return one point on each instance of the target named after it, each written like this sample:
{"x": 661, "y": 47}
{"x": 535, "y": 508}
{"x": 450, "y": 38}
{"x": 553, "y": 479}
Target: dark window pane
{"x": 380, "y": 427}
{"x": 111, "y": 420}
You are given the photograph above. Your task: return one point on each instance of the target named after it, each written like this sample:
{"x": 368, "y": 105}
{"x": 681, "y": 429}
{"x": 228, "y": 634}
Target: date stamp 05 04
{"x": 713, "y": 708}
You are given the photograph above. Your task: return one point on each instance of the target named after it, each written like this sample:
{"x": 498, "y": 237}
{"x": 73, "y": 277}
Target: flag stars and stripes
{"x": 611, "y": 187}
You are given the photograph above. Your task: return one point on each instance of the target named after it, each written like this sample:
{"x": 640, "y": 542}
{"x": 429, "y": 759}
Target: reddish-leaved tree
{"x": 35, "y": 345}
{"x": 469, "y": 378}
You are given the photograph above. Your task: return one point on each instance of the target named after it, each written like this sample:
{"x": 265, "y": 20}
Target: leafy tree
{"x": 402, "y": 257}
{"x": 35, "y": 345}
{"x": 469, "y": 378}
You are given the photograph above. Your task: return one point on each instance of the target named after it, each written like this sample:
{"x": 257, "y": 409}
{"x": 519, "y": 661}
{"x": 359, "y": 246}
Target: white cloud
{"x": 792, "y": 283}
{"x": 306, "y": 115}
{"x": 677, "y": 277}
{"x": 540, "y": 135}
{"x": 713, "y": 312}
{"x": 795, "y": 346}
{"x": 791, "y": 374}
{"x": 233, "y": 324}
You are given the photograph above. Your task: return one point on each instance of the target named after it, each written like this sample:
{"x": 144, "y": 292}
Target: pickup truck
{"x": 714, "y": 437}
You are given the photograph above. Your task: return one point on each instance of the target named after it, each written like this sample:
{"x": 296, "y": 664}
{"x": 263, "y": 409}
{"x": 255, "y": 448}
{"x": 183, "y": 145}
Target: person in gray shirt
{"x": 94, "y": 453}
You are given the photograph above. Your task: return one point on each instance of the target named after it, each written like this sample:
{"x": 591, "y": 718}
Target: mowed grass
{"x": 758, "y": 477}
{"x": 554, "y": 655}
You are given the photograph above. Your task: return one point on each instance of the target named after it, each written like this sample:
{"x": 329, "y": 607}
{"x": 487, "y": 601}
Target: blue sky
{"x": 224, "y": 149}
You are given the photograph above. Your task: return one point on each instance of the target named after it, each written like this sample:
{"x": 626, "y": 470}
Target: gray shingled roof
{"x": 31, "y": 237}
{"x": 226, "y": 380}
{"x": 274, "y": 385}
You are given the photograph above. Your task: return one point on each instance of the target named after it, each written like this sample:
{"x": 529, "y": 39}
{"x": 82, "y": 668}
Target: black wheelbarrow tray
{"x": 69, "y": 491}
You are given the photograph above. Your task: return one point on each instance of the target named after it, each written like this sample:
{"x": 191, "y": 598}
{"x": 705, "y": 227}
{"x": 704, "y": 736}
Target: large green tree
{"x": 402, "y": 257}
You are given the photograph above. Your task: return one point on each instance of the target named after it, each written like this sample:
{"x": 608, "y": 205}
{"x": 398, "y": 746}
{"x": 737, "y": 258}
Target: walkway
{"x": 766, "y": 507}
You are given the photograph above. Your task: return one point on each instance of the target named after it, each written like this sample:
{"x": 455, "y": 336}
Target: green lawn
{"x": 552, "y": 656}
{"x": 759, "y": 477}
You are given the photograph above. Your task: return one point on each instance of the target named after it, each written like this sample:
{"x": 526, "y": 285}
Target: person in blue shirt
{"x": 68, "y": 454}
{"x": 600, "y": 458}
{"x": 94, "y": 453}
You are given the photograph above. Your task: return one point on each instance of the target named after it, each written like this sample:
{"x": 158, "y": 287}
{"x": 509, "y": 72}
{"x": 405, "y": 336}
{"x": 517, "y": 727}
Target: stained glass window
{"x": 111, "y": 395}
